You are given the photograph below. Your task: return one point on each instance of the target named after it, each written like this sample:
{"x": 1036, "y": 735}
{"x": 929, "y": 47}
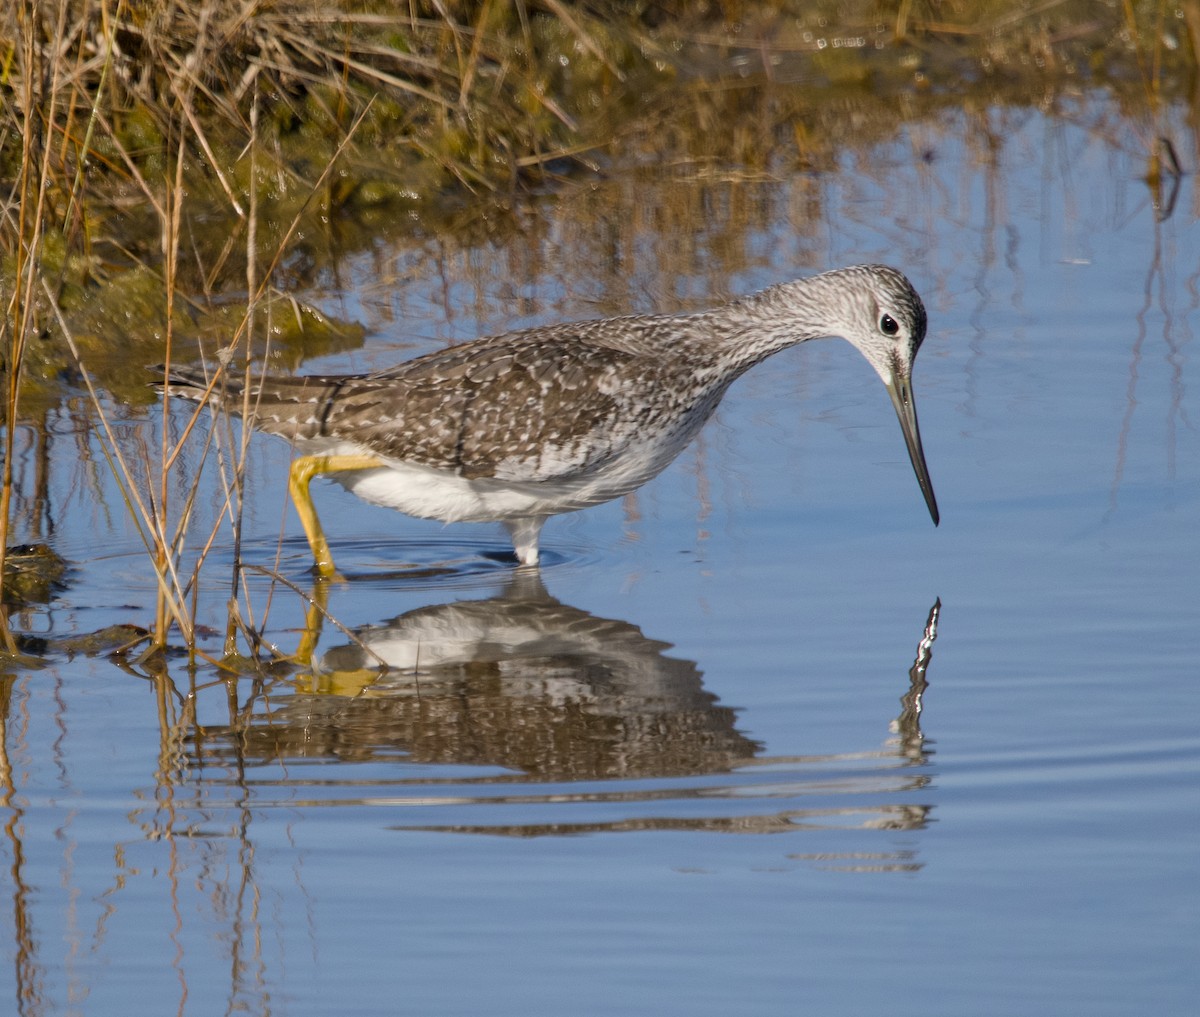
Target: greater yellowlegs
{"x": 519, "y": 427}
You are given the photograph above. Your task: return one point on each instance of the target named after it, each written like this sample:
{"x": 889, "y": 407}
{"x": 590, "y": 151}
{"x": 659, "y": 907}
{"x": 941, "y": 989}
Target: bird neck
{"x": 745, "y": 332}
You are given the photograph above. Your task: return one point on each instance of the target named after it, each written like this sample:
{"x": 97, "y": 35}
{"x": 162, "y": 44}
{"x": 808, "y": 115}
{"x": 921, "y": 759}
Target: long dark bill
{"x": 900, "y": 389}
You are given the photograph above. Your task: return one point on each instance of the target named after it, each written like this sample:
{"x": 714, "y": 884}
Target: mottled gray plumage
{"x": 521, "y": 426}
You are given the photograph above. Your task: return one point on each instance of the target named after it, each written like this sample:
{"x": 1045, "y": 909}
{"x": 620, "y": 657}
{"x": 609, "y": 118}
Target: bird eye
{"x": 888, "y": 326}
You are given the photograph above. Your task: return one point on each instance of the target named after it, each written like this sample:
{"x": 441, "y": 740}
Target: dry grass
{"x": 49, "y": 195}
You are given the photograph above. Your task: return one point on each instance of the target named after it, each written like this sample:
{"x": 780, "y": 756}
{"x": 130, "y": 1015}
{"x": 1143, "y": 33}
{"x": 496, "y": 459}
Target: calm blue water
{"x": 677, "y": 777}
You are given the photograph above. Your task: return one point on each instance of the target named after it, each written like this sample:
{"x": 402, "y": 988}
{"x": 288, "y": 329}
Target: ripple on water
{"x": 833, "y": 793}
{"x": 450, "y": 563}
{"x": 453, "y": 562}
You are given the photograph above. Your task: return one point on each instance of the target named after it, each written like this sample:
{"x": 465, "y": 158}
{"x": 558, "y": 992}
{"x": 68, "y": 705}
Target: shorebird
{"x": 522, "y": 426}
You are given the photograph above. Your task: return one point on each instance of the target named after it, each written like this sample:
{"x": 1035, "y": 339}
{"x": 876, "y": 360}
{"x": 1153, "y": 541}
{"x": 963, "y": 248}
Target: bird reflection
{"x": 907, "y": 726}
{"x": 528, "y": 684}
{"x": 520, "y": 681}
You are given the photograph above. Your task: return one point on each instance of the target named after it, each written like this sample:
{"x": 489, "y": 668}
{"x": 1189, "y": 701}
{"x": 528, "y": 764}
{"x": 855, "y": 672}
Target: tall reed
{"x": 72, "y": 108}
{"x": 39, "y": 96}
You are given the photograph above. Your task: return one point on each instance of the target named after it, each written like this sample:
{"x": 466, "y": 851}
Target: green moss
{"x": 137, "y": 130}
{"x": 33, "y": 574}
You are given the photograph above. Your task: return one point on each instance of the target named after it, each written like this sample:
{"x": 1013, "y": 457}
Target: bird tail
{"x": 202, "y": 385}
{"x": 291, "y": 407}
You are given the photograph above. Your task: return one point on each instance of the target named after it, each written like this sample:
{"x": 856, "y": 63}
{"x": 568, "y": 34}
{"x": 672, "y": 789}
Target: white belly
{"x": 437, "y": 494}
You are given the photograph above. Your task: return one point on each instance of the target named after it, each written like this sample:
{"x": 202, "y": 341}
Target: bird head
{"x": 883, "y": 318}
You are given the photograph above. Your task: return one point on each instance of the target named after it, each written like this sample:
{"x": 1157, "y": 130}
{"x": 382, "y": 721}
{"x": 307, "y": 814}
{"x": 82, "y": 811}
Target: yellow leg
{"x": 314, "y": 618}
{"x": 302, "y": 472}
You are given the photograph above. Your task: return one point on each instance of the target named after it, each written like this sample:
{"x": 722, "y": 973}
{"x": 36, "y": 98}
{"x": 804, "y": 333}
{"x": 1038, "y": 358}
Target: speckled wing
{"x": 517, "y": 408}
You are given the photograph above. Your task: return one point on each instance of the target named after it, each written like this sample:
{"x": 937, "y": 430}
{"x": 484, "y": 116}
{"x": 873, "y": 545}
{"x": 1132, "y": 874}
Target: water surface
{"x": 693, "y": 767}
